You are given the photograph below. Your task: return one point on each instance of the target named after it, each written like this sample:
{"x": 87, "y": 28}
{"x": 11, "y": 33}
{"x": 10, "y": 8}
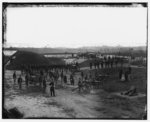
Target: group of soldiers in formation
{"x": 107, "y": 62}
{"x": 53, "y": 73}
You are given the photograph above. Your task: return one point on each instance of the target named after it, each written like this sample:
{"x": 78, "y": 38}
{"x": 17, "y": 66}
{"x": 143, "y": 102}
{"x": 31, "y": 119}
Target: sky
{"x": 74, "y": 27}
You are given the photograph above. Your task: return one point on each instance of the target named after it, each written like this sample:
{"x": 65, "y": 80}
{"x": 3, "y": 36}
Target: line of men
{"x": 106, "y": 62}
{"x": 37, "y": 67}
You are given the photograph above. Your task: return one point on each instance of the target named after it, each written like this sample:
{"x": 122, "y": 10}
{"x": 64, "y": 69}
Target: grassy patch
{"x": 113, "y": 84}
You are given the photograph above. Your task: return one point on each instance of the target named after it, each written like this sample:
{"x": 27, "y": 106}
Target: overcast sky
{"x": 76, "y": 26}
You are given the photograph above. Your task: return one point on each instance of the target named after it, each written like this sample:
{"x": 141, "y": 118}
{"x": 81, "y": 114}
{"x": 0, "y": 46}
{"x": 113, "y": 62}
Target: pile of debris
{"x": 12, "y": 113}
{"x": 131, "y": 92}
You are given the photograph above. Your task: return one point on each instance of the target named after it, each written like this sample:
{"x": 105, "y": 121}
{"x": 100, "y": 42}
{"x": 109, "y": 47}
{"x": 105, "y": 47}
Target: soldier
{"x": 111, "y": 62}
{"x": 98, "y": 64}
{"x": 106, "y": 64}
{"x": 20, "y": 82}
{"x": 44, "y": 84}
{"x": 120, "y": 74}
{"x": 121, "y": 61}
{"x": 40, "y": 80}
{"x": 90, "y": 65}
{"x": 77, "y": 65}
{"x": 129, "y": 69}
{"x": 56, "y": 76}
{"x": 14, "y": 77}
{"x": 62, "y": 76}
{"x": 65, "y": 79}
{"x": 102, "y": 64}
{"x": 116, "y": 62}
{"x": 82, "y": 75}
{"x": 86, "y": 77}
{"x": 71, "y": 79}
{"x": 129, "y": 73}
{"x": 126, "y": 75}
{"x": 52, "y": 88}
{"x": 27, "y": 79}
{"x": 80, "y": 85}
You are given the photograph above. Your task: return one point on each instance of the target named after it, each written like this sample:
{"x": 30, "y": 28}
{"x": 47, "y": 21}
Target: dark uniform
{"x": 27, "y": 79}
{"x": 20, "y": 82}
{"x": 62, "y": 76}
{"x": 44, "y": 85}
{"x": 52, "y": 89}
{"x": 14, "y": 77}
{"x": 82, "y": 75}
{"x": 79, "y": 85}
{"x": 65, "y": 79}
{"x": 126, "y": 75}
{"x": 129, "y": 73}
{"x": 102, "y": 64}
{"x": 40, "y": 80}
{"x": 120, "y": 74}
{"x": 90, "y": 65}
{"x": 71, "y": 79}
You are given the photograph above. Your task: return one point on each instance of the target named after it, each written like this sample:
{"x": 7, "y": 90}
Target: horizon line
{"x": 72, "y": 47}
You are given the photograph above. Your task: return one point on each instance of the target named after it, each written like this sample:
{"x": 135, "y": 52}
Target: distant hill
{"x": 101, "y": 49}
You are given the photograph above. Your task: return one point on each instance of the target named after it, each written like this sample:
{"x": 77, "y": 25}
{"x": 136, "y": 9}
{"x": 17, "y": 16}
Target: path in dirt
{"x": 67, "y": 104}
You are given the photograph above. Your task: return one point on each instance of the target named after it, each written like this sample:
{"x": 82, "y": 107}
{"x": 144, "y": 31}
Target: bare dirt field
{"x": 99, "y": 103}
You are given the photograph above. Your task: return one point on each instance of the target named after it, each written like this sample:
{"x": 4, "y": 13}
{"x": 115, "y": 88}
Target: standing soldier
{"x": 129, "y": 73}
{"x": 27, "y": 79}
{"x": 95, "y": 64}
{"x": 40, "y": 80}
{"x": 102, "y": 64}
{"x": 90, "y": 65}
{"x": 44, "y": 84}
{"x": 116, "y": 61}
{"x": 65, "y": 79}
{"x": 120, "y": 74}
{"x": 82, "y": 75}
{"x": 52, "y": 88}
{"x": 77, "y": 65}
{"x": 62, "y": 76}
{"x": 111, "y": 62}
{"x": 80, "y": 85}
{"x": 121, "y": 61}
{"x": 98, "y": 64}
{"x": 14, "y": 77}
{"x": 71, "y": 79}
{"x": 20, "y": 82}
{"x": 106, "y": 63}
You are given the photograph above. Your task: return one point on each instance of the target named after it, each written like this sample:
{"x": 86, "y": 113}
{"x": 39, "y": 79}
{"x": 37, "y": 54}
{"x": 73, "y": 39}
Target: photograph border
{"x": 64, "y": 4}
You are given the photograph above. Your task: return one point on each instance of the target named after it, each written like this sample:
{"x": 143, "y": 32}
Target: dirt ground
{"x": 34, "y": 103}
